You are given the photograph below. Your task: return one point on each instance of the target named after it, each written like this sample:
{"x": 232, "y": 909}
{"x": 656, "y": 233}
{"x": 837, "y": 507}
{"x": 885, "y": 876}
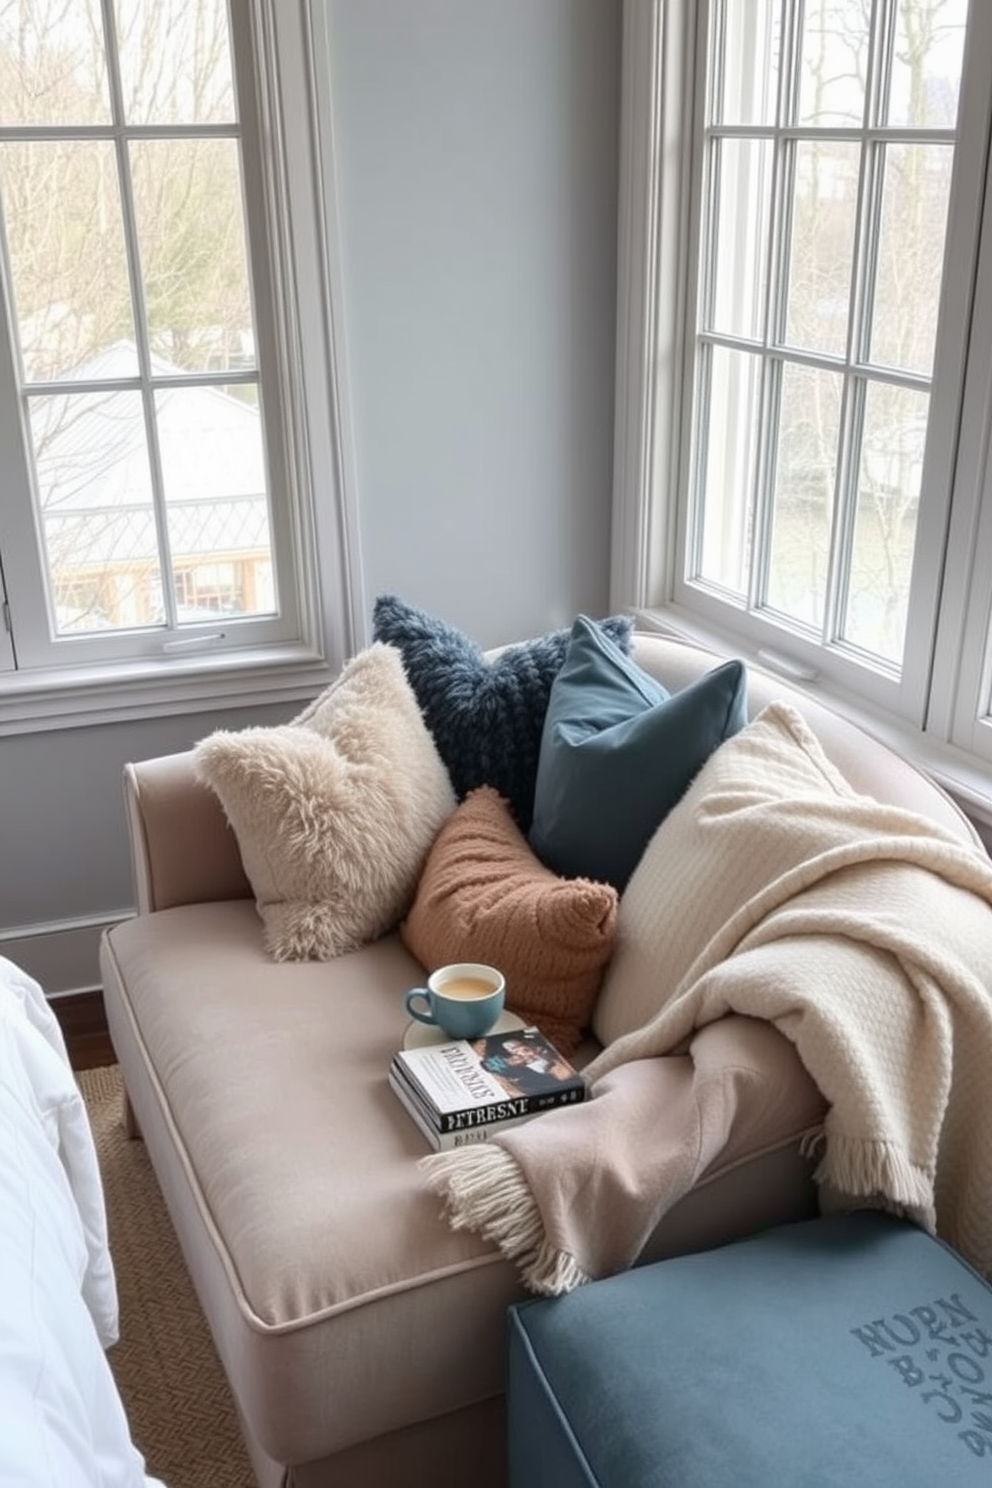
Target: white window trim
{"x": 293, "y": 84}
{"x": 655, "y": 51}
{"x": 658, "y": 57}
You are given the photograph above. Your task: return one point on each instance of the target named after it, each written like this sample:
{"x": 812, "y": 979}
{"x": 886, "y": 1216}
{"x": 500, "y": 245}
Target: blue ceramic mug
{"x": 463, "y": 1000}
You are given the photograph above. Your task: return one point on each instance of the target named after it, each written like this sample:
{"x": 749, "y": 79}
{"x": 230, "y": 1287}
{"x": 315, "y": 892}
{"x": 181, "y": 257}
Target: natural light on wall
{"x": 828, "y": 146}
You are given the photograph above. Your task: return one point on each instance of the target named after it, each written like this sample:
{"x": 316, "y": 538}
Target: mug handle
{"x": 415, "y": 1012}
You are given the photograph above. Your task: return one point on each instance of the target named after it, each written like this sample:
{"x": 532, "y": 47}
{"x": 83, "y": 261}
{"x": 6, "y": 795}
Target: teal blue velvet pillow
{"x": 618, "y": 752}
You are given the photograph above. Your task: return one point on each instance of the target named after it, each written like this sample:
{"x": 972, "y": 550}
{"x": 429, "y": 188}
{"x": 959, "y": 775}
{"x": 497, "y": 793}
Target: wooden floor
{"x": 92, "y": 1052}
{"x": 84, "y": 1027}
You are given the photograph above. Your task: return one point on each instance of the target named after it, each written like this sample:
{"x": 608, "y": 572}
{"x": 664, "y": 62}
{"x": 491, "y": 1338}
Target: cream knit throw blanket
{"x": 860, "y": 931}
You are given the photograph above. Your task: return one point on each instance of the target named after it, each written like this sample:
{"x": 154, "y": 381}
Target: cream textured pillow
{"x": 484, "y": 896}
{"x": 738, "y": 827}
{"x": 335, "y": 812}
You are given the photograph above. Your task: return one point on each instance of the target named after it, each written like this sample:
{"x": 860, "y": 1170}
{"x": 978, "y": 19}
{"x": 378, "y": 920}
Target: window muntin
{"x": 728, "y": 424}
{"x": 800, "y": 519}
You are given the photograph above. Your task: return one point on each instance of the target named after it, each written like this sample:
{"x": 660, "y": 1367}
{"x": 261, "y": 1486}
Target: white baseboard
{"x": 63, "y": 955}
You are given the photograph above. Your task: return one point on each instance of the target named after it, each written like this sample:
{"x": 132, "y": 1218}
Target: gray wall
{"x": 477, "y": 146}
{"x": 477, "y": 153}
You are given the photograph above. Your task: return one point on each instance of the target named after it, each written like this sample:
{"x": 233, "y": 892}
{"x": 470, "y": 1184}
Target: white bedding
{"x": 62, "y": 1422}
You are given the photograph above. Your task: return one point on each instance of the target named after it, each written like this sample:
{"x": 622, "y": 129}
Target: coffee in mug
{"x": 468, "y": 986}
{"x": 463, "y": 1000}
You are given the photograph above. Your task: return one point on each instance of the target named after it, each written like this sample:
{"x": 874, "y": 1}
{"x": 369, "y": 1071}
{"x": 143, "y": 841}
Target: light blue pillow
{"x": 618, "y": 752}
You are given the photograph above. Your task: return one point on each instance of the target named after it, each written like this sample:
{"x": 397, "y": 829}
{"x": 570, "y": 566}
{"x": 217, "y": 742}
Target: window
{"x": 160, "y": 455}
{"x": 803, "y": 383}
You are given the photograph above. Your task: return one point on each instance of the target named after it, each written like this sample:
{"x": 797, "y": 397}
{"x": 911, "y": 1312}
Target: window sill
{"x": 56, "y": 700}
{"x": 966, "y": 778}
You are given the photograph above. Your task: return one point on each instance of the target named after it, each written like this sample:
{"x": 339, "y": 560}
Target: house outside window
{"x": 805, "y": 354}
{"x": 162, "y": 453}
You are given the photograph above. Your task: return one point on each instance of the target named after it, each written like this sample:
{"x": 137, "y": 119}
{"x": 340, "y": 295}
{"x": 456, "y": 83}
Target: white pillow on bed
{"x": 62, "y": 1421}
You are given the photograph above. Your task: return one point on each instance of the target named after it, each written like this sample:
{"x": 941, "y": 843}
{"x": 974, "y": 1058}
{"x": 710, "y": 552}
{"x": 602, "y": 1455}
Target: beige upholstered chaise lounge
{"x": 363, "y": 1338}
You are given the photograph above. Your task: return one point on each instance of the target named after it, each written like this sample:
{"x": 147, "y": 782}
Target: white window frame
{"x": 283, "y": 60}
{"x": 933, "y": 712}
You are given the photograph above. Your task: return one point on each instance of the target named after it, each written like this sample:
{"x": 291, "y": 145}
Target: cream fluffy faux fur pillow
{"x": 334, "y": 812}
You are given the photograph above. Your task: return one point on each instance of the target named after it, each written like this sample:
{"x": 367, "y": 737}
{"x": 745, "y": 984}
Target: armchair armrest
{"x": 182, "y": 848}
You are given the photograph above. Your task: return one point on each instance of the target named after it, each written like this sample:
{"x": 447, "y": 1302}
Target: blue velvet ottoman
{"x": 848, "y": 1350}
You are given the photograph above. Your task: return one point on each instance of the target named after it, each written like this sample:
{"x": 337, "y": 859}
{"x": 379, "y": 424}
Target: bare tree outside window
{"x": 828, "y": 151}
{"x": 122, "y": 193}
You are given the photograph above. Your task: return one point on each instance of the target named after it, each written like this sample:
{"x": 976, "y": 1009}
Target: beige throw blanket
{"x": 866, "y": 939}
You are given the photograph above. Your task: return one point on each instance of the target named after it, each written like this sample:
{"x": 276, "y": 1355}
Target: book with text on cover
{"x": 446, "y": 1141}
{"x": 476, "y": 1085}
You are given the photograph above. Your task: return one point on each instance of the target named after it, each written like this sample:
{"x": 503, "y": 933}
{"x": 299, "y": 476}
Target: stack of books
{"x": 466, "y": 1090}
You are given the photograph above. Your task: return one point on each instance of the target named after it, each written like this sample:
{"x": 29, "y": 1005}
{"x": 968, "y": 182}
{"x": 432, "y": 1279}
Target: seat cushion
{"x": 848, "y": 1349}
{"x": 323, "y": 1261}
{"x": 290, "y": 1171}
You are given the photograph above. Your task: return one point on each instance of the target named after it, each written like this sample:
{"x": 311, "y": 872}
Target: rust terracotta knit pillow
{"x": 484, "y": 896}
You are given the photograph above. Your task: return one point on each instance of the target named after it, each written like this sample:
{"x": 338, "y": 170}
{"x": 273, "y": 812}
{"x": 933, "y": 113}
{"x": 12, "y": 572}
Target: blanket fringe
{"x": 872, "y": 1169}
{"x": 812, "y": 1142}
{"x": 483, "y": 1189}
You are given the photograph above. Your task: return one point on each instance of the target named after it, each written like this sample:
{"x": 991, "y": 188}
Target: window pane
{"x": 822, "y": 227}
{"x": 190, "y": 223}
{"x": 917, "y": 185}
{"x": 802, "y": 516}
{"x": 175, "y": 61}
{"x": 743, "y": 170}
{"x": 926, "y": 65}
{"x": 825, "y": 207}
{"x": 52, "y": 64}
{"x": 895, "y": 428}
{"x": 152, "y": 468}
{"x": 728, "y": 461}
{"x": 95, "y": 497}
{"x": 65, "y": 238}
{"x": 834, "y": 62}
{"x": 750, "y": 63}
{"x": 213, "y": 467}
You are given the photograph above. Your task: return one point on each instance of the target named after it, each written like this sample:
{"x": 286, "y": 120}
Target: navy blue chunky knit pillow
{"x": 486, "y": 716}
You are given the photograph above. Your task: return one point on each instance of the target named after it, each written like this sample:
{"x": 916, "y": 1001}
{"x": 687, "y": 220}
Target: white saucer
{"x": 419, "y": 1035}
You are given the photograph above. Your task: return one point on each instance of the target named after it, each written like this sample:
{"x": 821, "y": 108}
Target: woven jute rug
{"x": 169, "y": 1376}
